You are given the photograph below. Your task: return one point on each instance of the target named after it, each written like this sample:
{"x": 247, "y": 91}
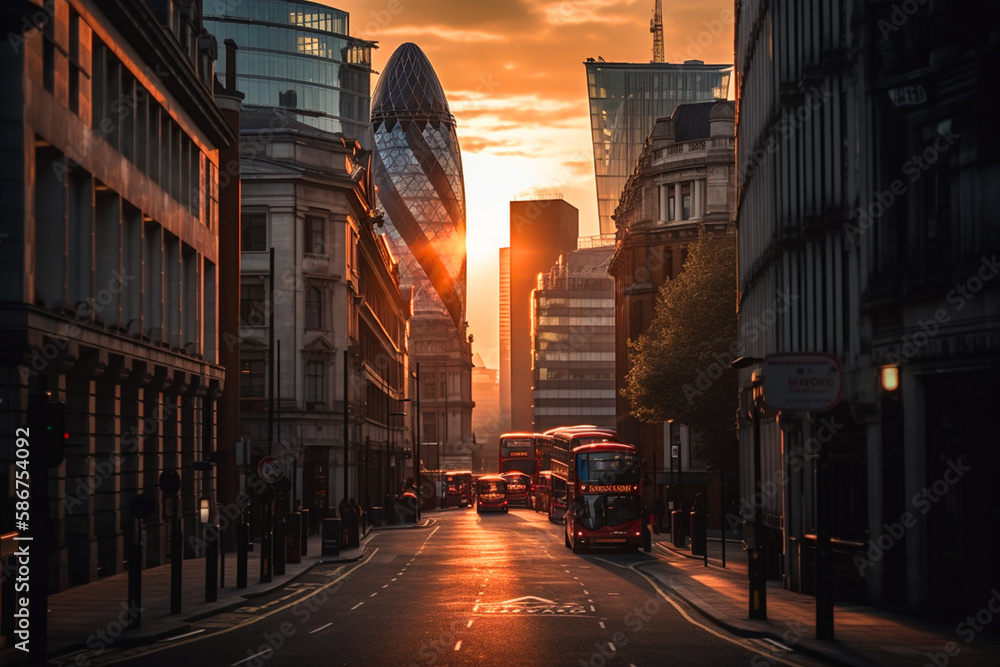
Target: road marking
{"x": 586, "y": 592}
{"x": 357, "y": 605}
{"x": 592, "y": 608}
{"x": 393, "y": 579}
{"x": 386, "y": 586}
{"x": 458, "y": 645}
{"x": 787, "y": 649}
{"x": 469, "y": 624}
{"x": 173, "y": 639}
{"x": 612, "y": 646}
{"x": 373, "y": 594}
{"x": 269, "y": 650}
{"x": 322, "y": 627}
{"x": 614, "y": 593}
{"x": 746, "y": 645}
{"x": 256, "y": 618}
{"x": 602, "y": 624}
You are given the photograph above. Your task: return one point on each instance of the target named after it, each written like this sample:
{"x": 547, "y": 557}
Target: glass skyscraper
{"x": 417, "y": 168}
{"x": 625, "y": 101}
{"x": 297, "y": 56}
{"x": 418, "y": 171}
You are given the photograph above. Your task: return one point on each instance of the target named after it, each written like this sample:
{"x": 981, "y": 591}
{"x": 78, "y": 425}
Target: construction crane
{"x": 656, "y": 27}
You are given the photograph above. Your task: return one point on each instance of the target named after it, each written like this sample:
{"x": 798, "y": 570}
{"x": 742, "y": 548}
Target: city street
{"x": 468, "y": 590}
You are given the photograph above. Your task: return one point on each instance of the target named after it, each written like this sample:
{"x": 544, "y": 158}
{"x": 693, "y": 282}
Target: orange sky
{"x": 513, "y": 74}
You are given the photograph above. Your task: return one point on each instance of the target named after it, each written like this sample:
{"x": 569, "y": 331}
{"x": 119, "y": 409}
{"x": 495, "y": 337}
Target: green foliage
{"x": 680, "y": 366}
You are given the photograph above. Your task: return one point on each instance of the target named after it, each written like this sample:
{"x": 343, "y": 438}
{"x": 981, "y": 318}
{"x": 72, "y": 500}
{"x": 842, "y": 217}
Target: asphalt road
{"x": 469, "y": 590}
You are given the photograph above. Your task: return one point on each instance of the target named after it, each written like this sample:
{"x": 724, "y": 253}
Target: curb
{"x": 803, "y": 645}
{"x": 184, "y": 624}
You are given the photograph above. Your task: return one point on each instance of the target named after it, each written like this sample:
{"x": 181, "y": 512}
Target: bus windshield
{"x": 527, "y": 466}
{"x": 598, "y": 510}
{"x": 607, "y": 468}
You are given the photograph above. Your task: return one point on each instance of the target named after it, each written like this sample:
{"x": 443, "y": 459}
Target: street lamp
{"x": 755, "y": 555}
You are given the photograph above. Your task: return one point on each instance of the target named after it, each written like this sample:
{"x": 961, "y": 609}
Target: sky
{"x": 513, "y": 73}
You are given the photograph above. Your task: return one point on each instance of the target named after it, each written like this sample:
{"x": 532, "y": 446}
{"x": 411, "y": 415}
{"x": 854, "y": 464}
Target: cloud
{"x": 445, "y": 33}
{"x": 575, "y": 12}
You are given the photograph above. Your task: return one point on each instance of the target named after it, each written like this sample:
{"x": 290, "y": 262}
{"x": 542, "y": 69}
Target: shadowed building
{"x": 109, "y": 293}
{"x": 418, "y": 171}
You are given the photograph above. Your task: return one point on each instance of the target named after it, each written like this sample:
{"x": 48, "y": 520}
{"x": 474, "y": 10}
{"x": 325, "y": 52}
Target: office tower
{"x": 298, "y": 56}
{"x": 540, "y": 231}
{"x": 418, "y": 171}
{"x": 625, "y": 101}
{"x": 573, "y": 341}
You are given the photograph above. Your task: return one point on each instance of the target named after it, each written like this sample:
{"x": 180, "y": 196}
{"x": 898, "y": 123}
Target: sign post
{"x": 811, "y": 382}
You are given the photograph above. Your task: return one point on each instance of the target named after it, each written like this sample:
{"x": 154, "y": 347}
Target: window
{"x": 252, "y": 379}
{"x": 430, "y": 427}
{"x": 314, "y": 308}
{"x": 252, "y": 305}
{"x": 428, "y": 383}
{"x": 315, "y": 379}
{"x": 314, "y": 235}
{"x": 254, "y": 232}
{"x": 686, "y": 201}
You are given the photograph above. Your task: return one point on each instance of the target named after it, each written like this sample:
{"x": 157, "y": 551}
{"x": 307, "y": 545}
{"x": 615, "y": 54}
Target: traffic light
{"x": 47, "y": 424}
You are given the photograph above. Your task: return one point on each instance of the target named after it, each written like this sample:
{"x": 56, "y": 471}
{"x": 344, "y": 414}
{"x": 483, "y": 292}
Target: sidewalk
{"x": 864, "y": 635}
{"x": 97, "y": 611}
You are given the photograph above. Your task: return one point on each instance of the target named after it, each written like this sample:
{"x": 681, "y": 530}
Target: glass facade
{"x": 573, "y": 341}
{"x": 418, "y": 171}
{"x": 297, "y": 55}
{"x": 625, "y": 101}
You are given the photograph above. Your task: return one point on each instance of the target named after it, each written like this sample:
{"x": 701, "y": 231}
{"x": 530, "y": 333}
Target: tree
{"x": 680, "y": 365}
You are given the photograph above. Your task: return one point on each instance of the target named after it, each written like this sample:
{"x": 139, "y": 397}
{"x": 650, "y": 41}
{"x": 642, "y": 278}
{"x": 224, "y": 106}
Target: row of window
{"x": 571, "y": 302}
{"x": 126, "y": 116}
{"x": 253, "y": 228}
{"x": 253, "y": 375}
{"x": 569, "y": 321}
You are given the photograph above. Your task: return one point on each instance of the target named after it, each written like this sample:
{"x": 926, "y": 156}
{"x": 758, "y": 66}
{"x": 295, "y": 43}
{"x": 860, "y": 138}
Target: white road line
{"x": 173, "y": 639}
{"x": 612, "y": 646}
{"x": 586, "y": 592}
{"x": 469, "y": 624}
{"x": 458, "y": 645}
{"x": 322, "y": 627}
{"x": 269, "y": 650}
{"x": 744, "y": 644}
{"x": 386, "y": 586}
{"x": 592, "y": 608}
{"x": 373, "y": 594}
{"x": 357, "y": 605}
{"x": 601, "y": 624}
{"x": 237, "y": 626}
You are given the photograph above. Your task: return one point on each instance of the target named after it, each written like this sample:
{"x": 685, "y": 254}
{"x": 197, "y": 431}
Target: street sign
{"x": 270, "y": 469}
{"x": 807, "y": 381}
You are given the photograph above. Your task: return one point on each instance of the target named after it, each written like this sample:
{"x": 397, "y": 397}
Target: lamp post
{"x": 755, "y": 555}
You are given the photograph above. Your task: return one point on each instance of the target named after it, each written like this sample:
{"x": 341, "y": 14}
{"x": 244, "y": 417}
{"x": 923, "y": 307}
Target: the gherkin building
{"x": 418, "y": 173}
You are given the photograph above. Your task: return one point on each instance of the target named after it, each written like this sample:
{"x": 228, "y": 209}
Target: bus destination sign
{"x": 610, "y": 488}
{"x": 518, "y": 454}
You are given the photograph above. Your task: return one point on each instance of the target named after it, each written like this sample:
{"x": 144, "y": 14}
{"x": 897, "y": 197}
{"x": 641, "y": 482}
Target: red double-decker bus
{"x": 604, "y": 497}
{"x": 519, "y": 452}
